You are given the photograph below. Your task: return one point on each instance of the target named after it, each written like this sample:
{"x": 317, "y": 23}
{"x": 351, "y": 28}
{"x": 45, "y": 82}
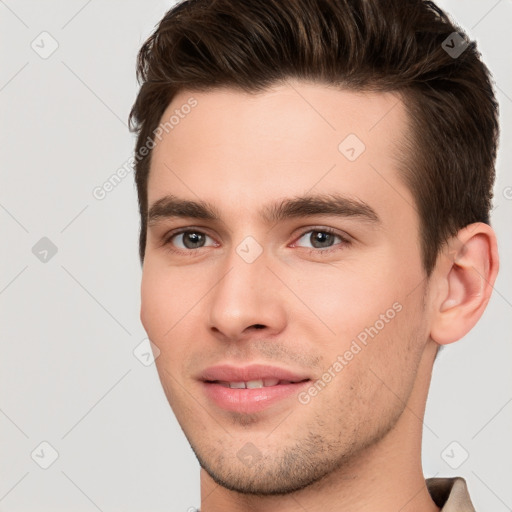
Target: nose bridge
{"x": 244, "y": 277}
{"x": 245, "y": 295}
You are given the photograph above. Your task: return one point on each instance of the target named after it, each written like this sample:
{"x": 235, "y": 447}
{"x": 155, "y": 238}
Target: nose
{"x": 248, "y": 298}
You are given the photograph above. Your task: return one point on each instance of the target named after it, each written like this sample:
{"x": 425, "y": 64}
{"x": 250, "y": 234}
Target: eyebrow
{"x": 337, "y": 205}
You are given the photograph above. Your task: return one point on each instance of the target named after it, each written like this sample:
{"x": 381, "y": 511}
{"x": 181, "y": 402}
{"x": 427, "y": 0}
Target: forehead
{"x": 238, "y": 150}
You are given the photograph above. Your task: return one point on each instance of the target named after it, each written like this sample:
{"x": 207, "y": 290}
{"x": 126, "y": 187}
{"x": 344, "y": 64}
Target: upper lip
{"x": 230, "y": 373}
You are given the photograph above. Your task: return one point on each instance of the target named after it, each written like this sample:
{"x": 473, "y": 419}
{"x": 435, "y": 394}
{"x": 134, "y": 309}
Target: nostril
{"x": 258, "y": 326}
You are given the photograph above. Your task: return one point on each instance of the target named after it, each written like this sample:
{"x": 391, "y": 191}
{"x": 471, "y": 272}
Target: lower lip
{"x": 250, "y": 400}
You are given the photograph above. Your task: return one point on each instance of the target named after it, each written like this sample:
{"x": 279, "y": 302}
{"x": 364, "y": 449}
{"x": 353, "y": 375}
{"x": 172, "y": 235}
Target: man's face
{"x": 332, "y": 294}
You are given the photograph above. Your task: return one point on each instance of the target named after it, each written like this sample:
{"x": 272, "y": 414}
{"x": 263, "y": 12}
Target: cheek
{"x": 172, "y": 310}
{"x": 154, "y": 300}
{"x": 161, "y": 310}
{"x": 392, "y": 353}
{"x": 349, "y": 299}
{"x": 378, "y": 375}
{"x": 165, "y": 299}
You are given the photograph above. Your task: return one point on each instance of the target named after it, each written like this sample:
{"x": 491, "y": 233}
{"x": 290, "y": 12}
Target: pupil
{"x": 320, "y": 239}
{"x": 192, "y": 240}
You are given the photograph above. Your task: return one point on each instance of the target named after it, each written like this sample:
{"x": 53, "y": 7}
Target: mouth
{"x": 254, "y": 384}
{"x": 251, "y": 389}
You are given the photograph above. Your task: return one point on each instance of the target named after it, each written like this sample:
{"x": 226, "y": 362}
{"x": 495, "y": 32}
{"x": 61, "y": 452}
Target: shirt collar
{"x": 450, "y": 494}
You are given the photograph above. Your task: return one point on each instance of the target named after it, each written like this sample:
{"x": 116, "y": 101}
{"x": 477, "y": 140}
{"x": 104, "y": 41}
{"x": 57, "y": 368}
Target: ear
{"x": 463, "y": 278}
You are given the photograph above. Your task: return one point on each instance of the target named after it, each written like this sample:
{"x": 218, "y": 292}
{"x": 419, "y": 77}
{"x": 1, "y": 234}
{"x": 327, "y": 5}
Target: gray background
{"x": 69, "y": 325}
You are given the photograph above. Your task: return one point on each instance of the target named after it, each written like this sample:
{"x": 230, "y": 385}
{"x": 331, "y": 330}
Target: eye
{"x": 323, "y": 238}
{"x": 188, "y": 239}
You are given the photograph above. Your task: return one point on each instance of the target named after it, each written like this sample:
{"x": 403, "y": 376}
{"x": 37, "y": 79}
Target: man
{"x": 315, "y": 180}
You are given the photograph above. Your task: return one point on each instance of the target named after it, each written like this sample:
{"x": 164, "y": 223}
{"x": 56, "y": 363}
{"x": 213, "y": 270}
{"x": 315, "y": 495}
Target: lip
{"x": 230, "y": 373}
{"x": 250, "y": 400}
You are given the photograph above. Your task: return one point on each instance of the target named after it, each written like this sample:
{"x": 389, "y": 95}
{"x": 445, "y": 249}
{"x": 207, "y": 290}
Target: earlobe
{"x": 465, "y": 273}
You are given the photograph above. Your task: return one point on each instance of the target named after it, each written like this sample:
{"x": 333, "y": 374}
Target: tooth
{"x": 237, "y": 385}
{"x": 223, "y": 383}
{"x": 270, "y": 382}
{"x": 251, "y": 384}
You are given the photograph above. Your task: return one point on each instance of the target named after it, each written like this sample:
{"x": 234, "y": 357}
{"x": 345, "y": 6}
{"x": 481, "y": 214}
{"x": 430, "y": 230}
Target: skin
{"x": 356, "y": 445}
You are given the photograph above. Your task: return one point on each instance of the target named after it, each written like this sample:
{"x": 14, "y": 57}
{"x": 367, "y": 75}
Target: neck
{"x": 387, "y": 476}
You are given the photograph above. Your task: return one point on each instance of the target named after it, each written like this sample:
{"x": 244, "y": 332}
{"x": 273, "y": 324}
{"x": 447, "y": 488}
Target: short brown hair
{"x": 376, "y": 45}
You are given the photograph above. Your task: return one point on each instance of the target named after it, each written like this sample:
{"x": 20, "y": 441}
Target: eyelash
{"x": 328, "y": 250}
{"x": 345, "y": 242}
